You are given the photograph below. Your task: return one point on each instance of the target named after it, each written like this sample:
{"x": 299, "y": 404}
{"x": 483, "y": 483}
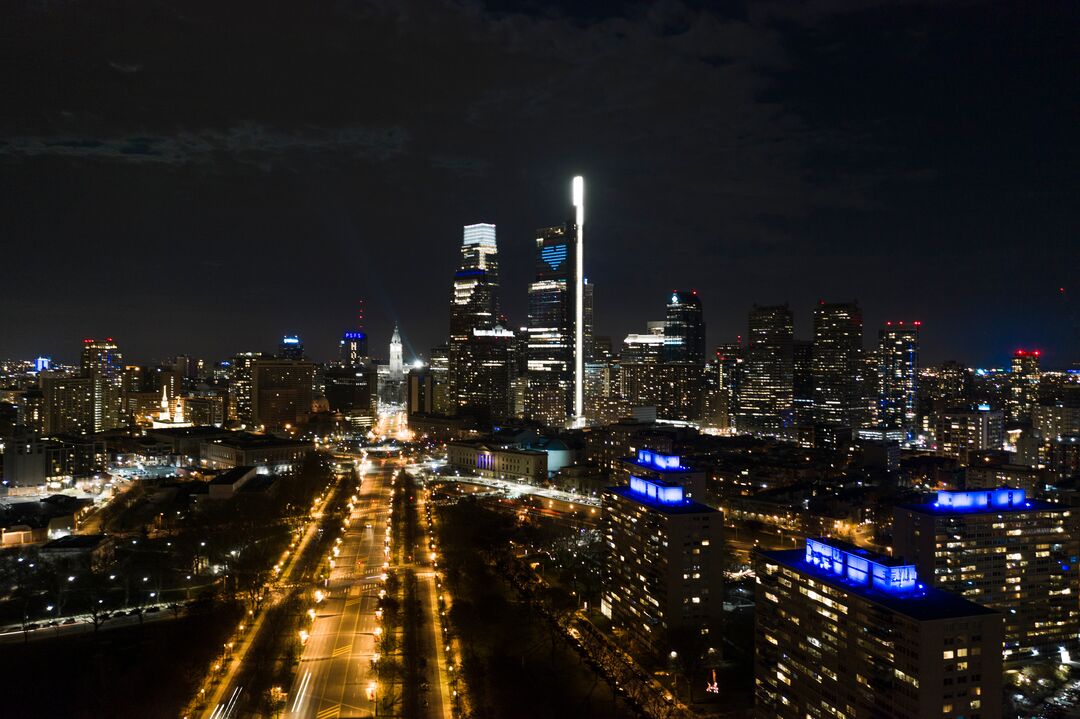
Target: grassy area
{"x": 514, "y": 664}
{"x": 137, "y": 672}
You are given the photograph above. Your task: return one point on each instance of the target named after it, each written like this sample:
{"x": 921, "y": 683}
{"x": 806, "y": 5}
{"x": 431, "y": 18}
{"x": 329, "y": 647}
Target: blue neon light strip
{"x": 982, "y": 500}
{"x": 658, "y": 460}
{"x": 859, "y": 569}
{"x": 662, "y": 493}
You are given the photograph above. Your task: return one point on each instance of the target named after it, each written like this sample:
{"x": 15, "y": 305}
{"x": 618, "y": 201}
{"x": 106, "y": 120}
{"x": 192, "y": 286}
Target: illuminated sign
{"x": 984, "y": 499}
{"x": 355, "y": 335}
{"x": 553, "y": 255}
{"x": 674, "y": 298}
{"x": 861, "y": 567}
{"x": 290, "y": 340}
{"x": 662, "y": 493}
{"x": 984, "y": 407}
{"x": 658, "y": 460}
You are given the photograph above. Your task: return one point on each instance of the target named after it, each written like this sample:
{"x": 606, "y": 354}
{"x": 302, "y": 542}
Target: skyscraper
{"x": 1023, "y": 386}
{"x": 480, "y": 350}
{"x": 684, "y": 328}
{"x": 241, "y": 384}
{"x": 281, "y": 391}
{"x": 898, "y": 375}
{"x": 842, "y": 631}
{"x": 353, "y": 349}
{"x": 291, "y": 348}
{"x": 551, "y": 328}
{"x": 836, "y": 364}
{"x": 766, "y": 399}
{"x": 103, "y": 364}
{"x": 1002, "y": 550}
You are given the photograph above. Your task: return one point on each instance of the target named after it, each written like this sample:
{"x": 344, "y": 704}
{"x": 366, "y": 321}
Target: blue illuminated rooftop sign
{"x": 657, "y": 491}
{"x": 290, "y": 340}
{"x": 355, "y": 335}
{"x": 861, "y": 567}
{"x": 982, "y": 499}
{"x": 658, "y": 460}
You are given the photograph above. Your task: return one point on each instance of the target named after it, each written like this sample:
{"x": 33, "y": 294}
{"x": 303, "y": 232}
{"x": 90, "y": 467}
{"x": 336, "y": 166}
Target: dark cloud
{"x": 205, "y": 176}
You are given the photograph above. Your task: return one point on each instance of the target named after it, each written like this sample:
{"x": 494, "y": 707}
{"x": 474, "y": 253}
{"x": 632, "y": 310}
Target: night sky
{"x": 203, "y": 177}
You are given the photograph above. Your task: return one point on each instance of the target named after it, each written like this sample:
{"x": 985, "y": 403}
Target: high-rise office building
{"x": 844, "y": 632}
{"x": 480, "y": 349}
{"x": 442, "y": 403}
{"x": 353, "y": 349}
{"x": 663, "y": 571}
{"x": 837, "y": 364}
{"x": 1023, "y": 386}
{"x": 898, "y": 375}
{"x": 551, "y": 329}
{"x": 1002, "y": 550}
{"x": 556, "y": 327}
{"x": 291, "y": 348}
{"x": 962, "y": 430}
{"x": 684, "y": 328}
{"x": 766, "y": 399}
{"x": 644, "y": 348}
{"x": 589, "y": 317}
{"x": 802, "y": 382}
{"x": 67, "y": 404}
{"x": 281, "y": 391}
{"x": 721, "y": 386}
{"x": 241, "y": 384}
{"x": 103, "y": 364}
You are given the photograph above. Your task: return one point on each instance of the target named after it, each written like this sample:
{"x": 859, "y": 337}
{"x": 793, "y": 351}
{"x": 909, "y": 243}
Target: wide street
{"x": 336, "y": 666}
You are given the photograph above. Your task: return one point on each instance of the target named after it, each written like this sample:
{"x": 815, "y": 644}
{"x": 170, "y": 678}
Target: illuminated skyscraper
{"x": 684, "y": 328}
{"x": 241, "y": 384}
{"x": 1023, "y": 386}
{"x": 842, "y": 631}
{"x": 353, "y": 349}
{"x": 551, "y": 329}
{"x": 291, "y": 348}
{"x": 103, "y": 364}
{"x": 1002, "y": 550}
{"x": 766, "y": 401}
{"x": 836, "y": 364}
{"x": 480, "y": 349}
{"x": 67, "y": 404}
{"x": 898, "y": 375}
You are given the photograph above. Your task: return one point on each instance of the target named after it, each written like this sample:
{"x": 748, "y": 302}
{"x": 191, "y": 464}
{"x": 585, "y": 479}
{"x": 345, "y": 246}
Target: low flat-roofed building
{"x": 490, "y": 460}
{"x": 97, "y": 549}
{"x": 229, "y": 482}
{"x": 239, "y": 449}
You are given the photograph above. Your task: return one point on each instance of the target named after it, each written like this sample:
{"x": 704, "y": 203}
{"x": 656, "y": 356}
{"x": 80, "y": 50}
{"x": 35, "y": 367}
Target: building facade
{"x": 843, "y": 632}
{"x": 1000, "y": 549}
{"x": 766, "y": 397}
{"x": 663, "y": 568}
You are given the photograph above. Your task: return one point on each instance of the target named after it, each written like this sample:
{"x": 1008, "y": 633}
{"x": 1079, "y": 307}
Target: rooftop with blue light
{"x": 661, "y": 495}
{"x": 974, "y": 501}
{"x": 658, "y": 461}
{"x": 876, "y": 577}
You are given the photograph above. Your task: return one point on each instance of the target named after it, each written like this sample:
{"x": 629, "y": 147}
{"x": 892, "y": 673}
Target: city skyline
{"x": 763, "y": 188}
